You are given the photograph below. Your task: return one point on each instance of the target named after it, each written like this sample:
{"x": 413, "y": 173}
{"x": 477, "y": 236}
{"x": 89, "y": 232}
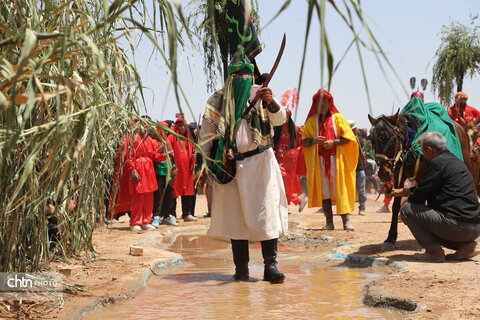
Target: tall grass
{"x": 67, "y": 92}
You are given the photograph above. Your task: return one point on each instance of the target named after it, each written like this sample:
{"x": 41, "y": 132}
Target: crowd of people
{"x": 272, "y": 157}
{"x": 154, "y": 167}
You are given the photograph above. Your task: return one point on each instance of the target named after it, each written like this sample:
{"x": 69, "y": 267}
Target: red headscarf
{"x": 187, "y": 131}
{"x": 161, "y": 132}
{"x": 187, "y": 135}
{"x": 316, "y": 97}
{"x": 164, "y": 139}
{"x": 326, "y": 129}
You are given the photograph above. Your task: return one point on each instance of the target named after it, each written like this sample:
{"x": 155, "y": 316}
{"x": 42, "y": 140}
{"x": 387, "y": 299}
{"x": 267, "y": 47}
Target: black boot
{"x": 327, "y": 210}
{"x": 269, "y": 253}
{"x": 346, "y": 222}
{"x": 240, "y": 258}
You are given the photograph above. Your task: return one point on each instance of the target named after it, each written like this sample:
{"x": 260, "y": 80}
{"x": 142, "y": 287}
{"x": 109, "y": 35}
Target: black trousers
{"x": 188, "y": 205}
{"x": 163, "y": 199}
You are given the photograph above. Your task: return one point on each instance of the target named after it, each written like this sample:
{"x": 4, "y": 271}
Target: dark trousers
{"x": 121, "y": 214}
{"x": 163, "y": 199}
{"x": 188, "y": 205}
{"x": 432, "y": 229}
{"x": 241, "y": 254}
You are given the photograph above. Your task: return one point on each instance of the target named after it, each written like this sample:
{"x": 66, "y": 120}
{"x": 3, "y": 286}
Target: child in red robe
{"x": 184, "y": 154}
{"x": 141, "y": 154}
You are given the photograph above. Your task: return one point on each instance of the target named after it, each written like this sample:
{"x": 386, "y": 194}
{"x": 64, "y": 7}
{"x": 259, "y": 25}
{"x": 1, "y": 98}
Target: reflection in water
{"x": 202, "y": 289}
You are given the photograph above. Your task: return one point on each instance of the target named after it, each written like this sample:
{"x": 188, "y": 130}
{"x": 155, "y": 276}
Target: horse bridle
{"x": 389, "y": 160}
{"x": 392, "y": 162}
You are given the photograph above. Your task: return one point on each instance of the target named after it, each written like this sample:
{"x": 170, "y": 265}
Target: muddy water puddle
{"x": 201, "y": 288}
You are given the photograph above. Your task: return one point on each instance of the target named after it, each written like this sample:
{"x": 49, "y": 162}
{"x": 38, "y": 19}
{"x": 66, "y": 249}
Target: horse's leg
{"x": 400, "y": 173}
{"x": 476, "y": 169}
{"x": 464, "y": 140}
{"x": 389, "y": 244}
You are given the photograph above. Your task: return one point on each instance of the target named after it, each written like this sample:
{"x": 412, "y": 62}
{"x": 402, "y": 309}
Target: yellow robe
{"x": 345, "y": 160}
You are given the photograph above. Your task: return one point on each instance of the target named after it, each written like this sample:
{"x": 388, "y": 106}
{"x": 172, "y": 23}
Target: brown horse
{"x": 397, "y": 159}
{"x": 472, "y": 133}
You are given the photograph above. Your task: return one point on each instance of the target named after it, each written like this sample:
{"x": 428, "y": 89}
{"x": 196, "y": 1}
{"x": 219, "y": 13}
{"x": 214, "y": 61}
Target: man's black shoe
{"x": 272, "y": 274}
{"x": 241, "y": 274}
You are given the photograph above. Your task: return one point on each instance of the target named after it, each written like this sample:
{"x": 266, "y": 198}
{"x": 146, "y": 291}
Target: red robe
{"x": 120, "y": 195}
{"x": 141, "y": 155}
{"x": 287, "y": 159}
{"x": 467, "y": 113}
{"x": 184, "y": 155}
{"x": 136, "y": 156}
{"x": 301, "y": 166}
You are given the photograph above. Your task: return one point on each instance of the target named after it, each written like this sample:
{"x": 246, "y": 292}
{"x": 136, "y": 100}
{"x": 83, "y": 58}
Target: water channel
{"x": 201, "y": 288}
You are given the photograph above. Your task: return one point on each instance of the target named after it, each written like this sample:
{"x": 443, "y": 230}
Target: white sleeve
{"x": 278, "y": 118}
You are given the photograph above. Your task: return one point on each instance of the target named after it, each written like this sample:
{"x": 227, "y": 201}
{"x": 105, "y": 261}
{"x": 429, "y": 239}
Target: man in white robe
{"x": 253, "y": 206}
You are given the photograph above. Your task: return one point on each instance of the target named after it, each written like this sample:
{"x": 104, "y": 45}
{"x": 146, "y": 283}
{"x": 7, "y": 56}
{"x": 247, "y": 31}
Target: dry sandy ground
{"x": 448, "y": 290}
{"x": 442, "y": 290}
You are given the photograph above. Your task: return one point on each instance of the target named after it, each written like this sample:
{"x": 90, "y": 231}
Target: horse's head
{"x": 387, "y": 139}
{"x": 469, "y": 125}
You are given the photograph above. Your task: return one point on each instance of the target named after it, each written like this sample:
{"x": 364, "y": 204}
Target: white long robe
{"x": 253, "y": 206}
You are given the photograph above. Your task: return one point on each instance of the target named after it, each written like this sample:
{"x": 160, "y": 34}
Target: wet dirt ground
{"x": 201, "y": 288}
{"x": 448, "y": 290}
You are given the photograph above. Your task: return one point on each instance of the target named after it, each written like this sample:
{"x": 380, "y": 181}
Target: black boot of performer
{"x": 240, "y": 258}
{"x": 346, "y": 222}
{"x": 269, "y": 253}
{"x": 327, "y": 209}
